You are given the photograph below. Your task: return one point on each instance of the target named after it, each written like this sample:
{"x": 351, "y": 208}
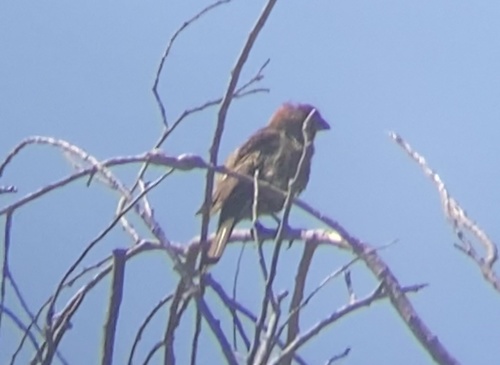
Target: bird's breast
{"x": 282, "y": 168}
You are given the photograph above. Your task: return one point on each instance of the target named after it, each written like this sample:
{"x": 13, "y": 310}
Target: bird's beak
{"x": 321, "y": 124}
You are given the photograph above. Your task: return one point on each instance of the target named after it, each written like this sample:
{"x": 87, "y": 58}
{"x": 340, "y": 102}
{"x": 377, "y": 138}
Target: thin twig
{"x": 217, "y": 331}
{"x": 232, "y": 309}
{"x": 234, "y": 315}
{"x": 338, "y": 357}
{"x": 19, "y": 323}
{"x": 153, "y": 350}
{"x": 186, "y": 24}
{"x": 178, "y": 306}
{"x": 316, "y": 290}
{"x": 348, "y": 284}
{"x": 145, "y": 323}
{"x": 7, "y": 189}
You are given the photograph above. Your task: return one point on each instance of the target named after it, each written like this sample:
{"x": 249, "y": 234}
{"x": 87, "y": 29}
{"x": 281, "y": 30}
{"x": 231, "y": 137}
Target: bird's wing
{"x": 245, "y": 160}
{"x": 264, "y": 142}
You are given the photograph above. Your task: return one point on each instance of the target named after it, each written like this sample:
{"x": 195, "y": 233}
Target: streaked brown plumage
{"x": 274, "y": 151}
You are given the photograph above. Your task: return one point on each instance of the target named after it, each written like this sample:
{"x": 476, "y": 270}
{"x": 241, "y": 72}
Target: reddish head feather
{"x": 290, "y": 118}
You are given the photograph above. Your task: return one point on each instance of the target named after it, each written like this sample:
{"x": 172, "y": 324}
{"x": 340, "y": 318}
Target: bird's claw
{"x": 260, "y": 230}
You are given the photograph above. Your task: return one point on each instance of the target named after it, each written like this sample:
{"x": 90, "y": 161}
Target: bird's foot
{"x": 286, "y": 228}
{"x": 259, "y": 230}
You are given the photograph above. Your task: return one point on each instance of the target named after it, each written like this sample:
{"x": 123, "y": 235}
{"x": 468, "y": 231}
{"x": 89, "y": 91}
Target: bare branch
{"x": 71, "y": 150}
{"x": 119, "y": 258}
{"x": 232, "y": 308}
{"x": 458, "y": 218}
{"x": 234, "y": 315}
{"x": 196, "y": 337}
{"x": 377, "y": 294}
{"x": 174, "y": 318}
{"x": 5, "y": 261}
{"x": 298, "y": 294}
{"x": 217, "y": 331}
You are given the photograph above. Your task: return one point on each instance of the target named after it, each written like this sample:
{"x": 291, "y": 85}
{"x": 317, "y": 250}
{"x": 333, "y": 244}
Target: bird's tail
{"x": 218, "y": 244}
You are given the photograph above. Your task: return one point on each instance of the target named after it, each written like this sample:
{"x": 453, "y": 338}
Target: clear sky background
{"x": 83, "y": 71}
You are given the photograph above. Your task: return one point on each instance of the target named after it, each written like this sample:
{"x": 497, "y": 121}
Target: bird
{"x": 274, "y": 153}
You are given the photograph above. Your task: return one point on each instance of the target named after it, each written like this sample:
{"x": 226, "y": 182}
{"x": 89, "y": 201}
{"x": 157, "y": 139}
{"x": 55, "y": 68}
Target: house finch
{"x": 274, "y": 152}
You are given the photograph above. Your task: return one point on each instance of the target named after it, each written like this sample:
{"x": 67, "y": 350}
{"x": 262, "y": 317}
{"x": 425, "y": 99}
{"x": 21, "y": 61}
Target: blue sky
{"x": 83, "y": 72}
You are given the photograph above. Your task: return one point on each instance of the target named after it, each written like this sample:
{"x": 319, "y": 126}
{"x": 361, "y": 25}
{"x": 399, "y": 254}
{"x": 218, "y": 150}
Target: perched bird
{"x": 274, "y": 151}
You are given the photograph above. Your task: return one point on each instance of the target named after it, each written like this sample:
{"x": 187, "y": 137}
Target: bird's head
{"x": 290, "y": 118}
